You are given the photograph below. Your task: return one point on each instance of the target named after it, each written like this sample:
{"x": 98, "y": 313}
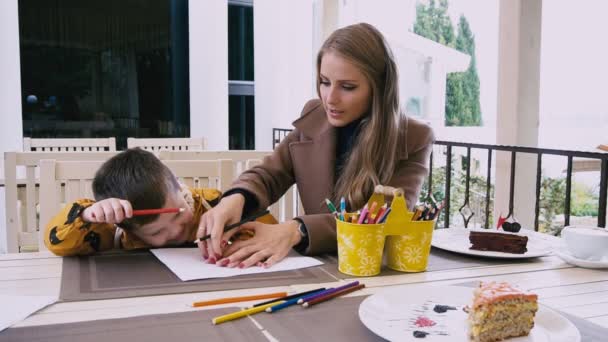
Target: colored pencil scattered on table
{"x": 328, "y": 291}
{"x": 329, "y": 296}
{"x": 295, "y": 295}
{"x": 243, "y": 313}
{"x": 239, "y": 299}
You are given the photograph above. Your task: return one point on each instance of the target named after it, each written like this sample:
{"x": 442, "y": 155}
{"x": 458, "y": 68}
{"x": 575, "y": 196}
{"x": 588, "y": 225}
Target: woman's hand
{"x": 109, "y": 210}
{"x": 229, "y": 210}
{"x": 271, "y": 243}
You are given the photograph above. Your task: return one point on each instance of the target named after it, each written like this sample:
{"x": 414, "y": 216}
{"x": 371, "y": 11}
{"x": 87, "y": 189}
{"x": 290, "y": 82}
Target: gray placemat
{"x": 120, "y": 274}
{"x": 133, "y": 274}
{"x": 192, "y": 326}
{"x": 439, "y": 260}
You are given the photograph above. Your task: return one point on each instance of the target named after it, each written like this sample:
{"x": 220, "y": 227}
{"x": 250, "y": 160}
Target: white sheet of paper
{"x": 16, "y": 308}
{"x": 188, "y": 264}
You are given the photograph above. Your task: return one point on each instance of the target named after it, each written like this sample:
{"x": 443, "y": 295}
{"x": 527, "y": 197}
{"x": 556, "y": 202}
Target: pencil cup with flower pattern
{"x": 360, "y": 247}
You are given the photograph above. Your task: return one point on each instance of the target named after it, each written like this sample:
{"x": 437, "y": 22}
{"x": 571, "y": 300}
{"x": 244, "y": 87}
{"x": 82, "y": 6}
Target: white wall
{"x": 11, "y": 130}
{"x": 208, "y": 23}
{"x": 284, "y": 59}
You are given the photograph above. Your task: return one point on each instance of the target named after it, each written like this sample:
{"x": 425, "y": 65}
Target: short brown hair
{"x": 139, "y": 177}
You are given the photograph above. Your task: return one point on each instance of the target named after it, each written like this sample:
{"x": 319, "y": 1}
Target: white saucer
{"x": 563, "y": 253}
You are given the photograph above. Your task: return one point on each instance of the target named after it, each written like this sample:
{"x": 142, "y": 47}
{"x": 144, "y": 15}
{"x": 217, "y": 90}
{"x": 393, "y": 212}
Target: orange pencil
{"x": 157, "y": 211}
{"x": 239, "y": 299}
{"x": 332, "y": 295}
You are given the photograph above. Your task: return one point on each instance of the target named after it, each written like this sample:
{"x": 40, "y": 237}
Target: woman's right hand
{"x": 109, "y": 210}
{"x": 228, "y": 211}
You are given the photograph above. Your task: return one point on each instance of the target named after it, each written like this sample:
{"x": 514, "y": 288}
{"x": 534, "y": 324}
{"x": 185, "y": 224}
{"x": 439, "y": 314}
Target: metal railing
{"x": 280, "y": 133}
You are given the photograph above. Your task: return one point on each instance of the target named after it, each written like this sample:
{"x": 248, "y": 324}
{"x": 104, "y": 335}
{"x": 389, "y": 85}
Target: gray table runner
{"x": 335, "y": 321}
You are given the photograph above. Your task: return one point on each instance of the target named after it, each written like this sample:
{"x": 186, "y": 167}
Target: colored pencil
{"x": 235, "y": 225}
{"x": 370, "y": 212}
{"x": 332, "y": 295}
{"x": 379, "y": 214}
{"x": 142, "y": 212}
{"x": 328, "y": 291}
{"x": 242, "y": 313}
{"x": 295, "y": 295}
{"x": 239, "y": 299}
{"x": 331, "y": 207}
{"x": 363, "y": 214}
{"x": 287, "y": 303}
{"x": 384, "y": 215}
{"x": 342, "y": 208}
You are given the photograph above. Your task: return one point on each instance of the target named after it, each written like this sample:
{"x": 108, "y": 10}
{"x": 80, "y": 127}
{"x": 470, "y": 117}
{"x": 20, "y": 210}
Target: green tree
{"x": 462, "y": 89}
{"x": 552, "y": 191}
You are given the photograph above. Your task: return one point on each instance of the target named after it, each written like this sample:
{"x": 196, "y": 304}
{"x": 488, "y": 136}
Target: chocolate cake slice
{"x": 498, "y": 242}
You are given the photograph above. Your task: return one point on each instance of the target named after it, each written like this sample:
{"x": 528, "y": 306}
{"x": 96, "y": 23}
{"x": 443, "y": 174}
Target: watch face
{"x": 302, "y": 230}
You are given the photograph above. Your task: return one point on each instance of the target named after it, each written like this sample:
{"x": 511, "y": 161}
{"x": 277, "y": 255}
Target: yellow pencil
{"x": 243, "y": 313}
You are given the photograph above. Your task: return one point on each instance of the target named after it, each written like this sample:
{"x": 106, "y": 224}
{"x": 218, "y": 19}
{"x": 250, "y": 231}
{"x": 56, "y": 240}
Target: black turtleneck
{"x": 345, "y": 140}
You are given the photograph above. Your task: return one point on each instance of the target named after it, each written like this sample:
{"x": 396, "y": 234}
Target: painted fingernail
{"x": 212, "y": 260}
{"x": 224, "y": 243}
{"x": 259, "y": 264}
{"x": 223, "y": 262}
{"x": 218, "y": 256}
{"x": 265, "y": 265}
{"x": 241, "y": 265}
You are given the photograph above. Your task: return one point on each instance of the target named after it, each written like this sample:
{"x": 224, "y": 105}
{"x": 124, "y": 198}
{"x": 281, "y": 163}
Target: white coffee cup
{"x": 586, "y": 242}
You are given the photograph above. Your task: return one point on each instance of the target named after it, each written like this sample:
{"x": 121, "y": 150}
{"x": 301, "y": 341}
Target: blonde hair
{"x": 373, "y": 157}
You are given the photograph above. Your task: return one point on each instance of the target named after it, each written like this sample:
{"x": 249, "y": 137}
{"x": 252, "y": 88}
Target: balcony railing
{"x": 601, "y": 158}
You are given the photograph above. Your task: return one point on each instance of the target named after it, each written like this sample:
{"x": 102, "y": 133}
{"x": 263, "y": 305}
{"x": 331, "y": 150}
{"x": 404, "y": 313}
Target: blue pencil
{"x": 384, "y": 216}
{"x": 290, "y": 302}
{"x": 342, "y": 208}
{"x": 326, "y": 292}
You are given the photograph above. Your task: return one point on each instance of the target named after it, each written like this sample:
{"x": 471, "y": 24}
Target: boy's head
{"x": 139, "y": 177}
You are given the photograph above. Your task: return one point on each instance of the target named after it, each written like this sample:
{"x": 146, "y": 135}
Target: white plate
{"x": 457, "y": 240}
{"x": 563, "y": 253}
{"x": 389, "y": 314}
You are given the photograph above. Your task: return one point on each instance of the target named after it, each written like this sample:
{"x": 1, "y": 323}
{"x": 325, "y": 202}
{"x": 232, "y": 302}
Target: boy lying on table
{"x": 132, "y": 179}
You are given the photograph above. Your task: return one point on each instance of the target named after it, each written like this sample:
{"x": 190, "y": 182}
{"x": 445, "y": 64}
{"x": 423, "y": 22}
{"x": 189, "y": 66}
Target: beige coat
{"x": 307, "y": 156}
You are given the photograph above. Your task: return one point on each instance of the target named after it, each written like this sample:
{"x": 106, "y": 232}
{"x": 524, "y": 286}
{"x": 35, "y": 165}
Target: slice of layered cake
{"x": 501, "y": 311}
{"x": 498, "y": 242}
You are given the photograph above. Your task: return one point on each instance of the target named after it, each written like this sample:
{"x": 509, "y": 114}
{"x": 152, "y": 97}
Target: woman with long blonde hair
{"x": 351, "y": 139}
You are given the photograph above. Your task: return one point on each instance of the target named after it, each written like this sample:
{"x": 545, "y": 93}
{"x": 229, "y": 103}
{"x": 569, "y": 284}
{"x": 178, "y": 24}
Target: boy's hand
{"x": 228, "y": 211}
{"x": 109, "y": 210}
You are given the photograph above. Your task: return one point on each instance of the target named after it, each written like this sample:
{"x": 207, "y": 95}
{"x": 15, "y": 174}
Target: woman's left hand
{"x": 270, "y": 244}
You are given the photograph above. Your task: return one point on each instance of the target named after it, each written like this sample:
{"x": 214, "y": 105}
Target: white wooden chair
{"x": 168, "y": 144}
{"x": 69, "y": 145}
{"x": 21, "y": 171}
{"x": 238, "y": 157}
{"x": 78, "y": 176}
{"x": 286, "y": 208}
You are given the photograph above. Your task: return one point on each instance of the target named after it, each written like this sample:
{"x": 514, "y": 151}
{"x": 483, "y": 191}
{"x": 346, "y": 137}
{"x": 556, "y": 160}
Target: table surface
{"x": 577, "y": 291}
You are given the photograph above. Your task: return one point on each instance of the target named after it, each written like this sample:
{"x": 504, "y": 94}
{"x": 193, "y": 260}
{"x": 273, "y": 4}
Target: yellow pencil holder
{"x": 360, "y": 248}
{"x": 408, "y": 243}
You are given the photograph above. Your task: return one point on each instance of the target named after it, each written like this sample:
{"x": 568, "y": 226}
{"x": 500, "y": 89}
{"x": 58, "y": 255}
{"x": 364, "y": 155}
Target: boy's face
{"x": 168, "y": 229}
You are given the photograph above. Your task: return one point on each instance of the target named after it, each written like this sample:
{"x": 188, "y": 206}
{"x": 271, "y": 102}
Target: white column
{"x": 11, "y": 130}
{"x": 518, "y": 103}
{"x": 208, "y": 25}
{"x": 283, "y": 60}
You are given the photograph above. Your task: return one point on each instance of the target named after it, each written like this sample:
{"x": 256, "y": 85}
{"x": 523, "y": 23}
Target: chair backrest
{"x": 168, "y": 144}
{"x": 238, "y": 157}
{"x": 285, "y": 208}
{"x": 21, "y": 194}
{"x": 77, "y": 178}
{"x": 69, "y": 145}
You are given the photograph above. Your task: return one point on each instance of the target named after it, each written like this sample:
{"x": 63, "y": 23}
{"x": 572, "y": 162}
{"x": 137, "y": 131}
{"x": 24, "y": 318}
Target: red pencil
{"x": 157, "y": 211}
{"x": 332, "y": 295}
